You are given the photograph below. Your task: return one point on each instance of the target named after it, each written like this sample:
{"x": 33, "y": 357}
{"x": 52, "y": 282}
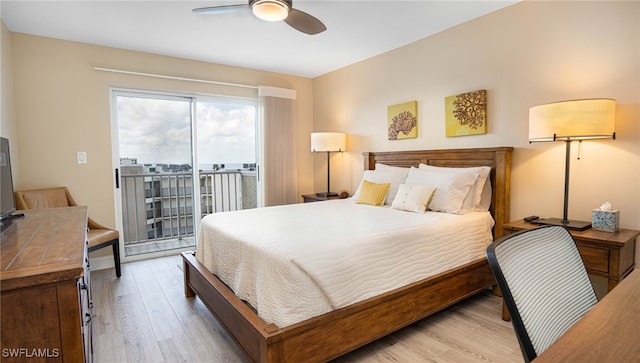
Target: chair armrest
{"x": 95, "y": 225}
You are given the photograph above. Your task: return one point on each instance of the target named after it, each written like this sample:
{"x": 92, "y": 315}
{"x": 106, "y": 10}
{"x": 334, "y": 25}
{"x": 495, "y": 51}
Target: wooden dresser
{"x": 45, "y": 287}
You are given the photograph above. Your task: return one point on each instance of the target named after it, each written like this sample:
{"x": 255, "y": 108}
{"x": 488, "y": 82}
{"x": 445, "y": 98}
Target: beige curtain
{"x": 279, "y": 167}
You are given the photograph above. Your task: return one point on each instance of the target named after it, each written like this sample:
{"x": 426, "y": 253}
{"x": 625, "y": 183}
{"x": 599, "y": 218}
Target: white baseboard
{"x": 106, "y": 262}
{"x": 101, "y": 263}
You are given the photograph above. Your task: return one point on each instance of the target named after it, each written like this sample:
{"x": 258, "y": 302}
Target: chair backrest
{"x": 43, "y": 198}
{"x": 544, "y": 284}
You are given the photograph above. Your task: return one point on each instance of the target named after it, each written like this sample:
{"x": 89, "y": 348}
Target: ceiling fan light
{"x": 270, "y": 10}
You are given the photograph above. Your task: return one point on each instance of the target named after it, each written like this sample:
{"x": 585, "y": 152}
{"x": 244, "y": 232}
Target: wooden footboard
{"x": 332, "y": 334}
{"x": 257, "y": 338}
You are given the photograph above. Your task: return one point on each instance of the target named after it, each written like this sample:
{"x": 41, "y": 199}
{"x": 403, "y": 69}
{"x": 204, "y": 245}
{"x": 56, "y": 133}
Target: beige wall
{"x": 62, "y": 106}
{"x": 524, "y": 55}
{"x": 8, "y": 124}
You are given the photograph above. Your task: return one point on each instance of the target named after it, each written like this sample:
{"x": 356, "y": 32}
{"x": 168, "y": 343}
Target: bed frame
{"x": 340, "y": 331}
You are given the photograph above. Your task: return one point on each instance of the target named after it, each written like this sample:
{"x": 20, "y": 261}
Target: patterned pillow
{"x": 413, "y": 198}
{"x": 373, "y": 193}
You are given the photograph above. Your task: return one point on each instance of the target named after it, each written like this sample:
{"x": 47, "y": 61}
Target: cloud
{"x": 159, "y": 131}
{"x": 226, "y": 135}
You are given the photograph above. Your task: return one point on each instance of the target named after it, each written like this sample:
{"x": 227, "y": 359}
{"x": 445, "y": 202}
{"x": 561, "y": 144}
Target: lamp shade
{"x": 328, "y": 141}
{"x": 573, "y": 120}
{"x": 270, "y": 10}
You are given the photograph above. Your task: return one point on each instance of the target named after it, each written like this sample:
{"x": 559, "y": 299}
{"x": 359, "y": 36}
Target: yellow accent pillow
{"x": 372, "y": 193}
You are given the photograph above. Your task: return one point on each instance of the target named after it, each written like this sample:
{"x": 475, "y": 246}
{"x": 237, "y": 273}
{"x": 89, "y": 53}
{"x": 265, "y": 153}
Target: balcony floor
{"x": 158, "y": 246}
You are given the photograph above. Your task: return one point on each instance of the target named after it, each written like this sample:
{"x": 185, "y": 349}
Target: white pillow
{"x": 400, "y": 174}
{"x": 385, "y": 167}
{"x": 485, "y": 201}
{"x": 451, "y": 188}
{"x": 413, "y": 198}
{"x": 395, "y": 177}
{"x": 479, "y": 198}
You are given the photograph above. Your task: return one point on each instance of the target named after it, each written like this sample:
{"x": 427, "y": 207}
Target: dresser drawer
{"x": 595, "y": 259}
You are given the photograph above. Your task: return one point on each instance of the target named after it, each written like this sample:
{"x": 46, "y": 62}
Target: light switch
{"x": 82, "y": 157}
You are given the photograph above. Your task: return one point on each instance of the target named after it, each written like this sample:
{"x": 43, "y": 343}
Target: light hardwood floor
{"x": 145, "y": 317}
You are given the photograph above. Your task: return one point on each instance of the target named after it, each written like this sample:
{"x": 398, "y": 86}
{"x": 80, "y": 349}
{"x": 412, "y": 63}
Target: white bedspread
{"x": 298, "y": 261}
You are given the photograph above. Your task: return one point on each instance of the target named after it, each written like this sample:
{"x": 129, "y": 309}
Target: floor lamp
{"x": 571, "y": 121}
{"x": 328, "y": 142}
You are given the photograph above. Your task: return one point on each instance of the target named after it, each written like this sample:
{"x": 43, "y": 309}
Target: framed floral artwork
{"x": 403, "y": 121}
{"x": 466, "y": 114}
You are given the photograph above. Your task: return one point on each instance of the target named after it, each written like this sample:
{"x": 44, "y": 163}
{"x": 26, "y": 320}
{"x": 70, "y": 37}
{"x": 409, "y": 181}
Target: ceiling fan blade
{"x": 304, "y": 22}
{"x": 223, "y": 9}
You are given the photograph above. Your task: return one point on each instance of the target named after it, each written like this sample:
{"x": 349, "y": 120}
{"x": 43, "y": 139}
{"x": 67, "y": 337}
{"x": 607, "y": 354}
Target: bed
{"x": 331, "y": 334}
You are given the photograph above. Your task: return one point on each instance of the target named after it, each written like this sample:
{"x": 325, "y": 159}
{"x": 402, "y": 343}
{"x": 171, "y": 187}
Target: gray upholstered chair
{"x": 98, "y": 236}
{"x": 544, "y": 284}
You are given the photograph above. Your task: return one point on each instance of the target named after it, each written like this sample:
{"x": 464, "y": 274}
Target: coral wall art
{"x": 466, "y": 113}
{"x": 403, "y": 121}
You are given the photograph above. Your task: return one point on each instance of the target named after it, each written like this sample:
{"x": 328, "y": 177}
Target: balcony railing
{"x": 159, "y": 207}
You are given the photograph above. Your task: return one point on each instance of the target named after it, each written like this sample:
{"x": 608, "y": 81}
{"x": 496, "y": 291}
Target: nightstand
{"x": 308, "y": 198}
{"x": 606, "y": 254}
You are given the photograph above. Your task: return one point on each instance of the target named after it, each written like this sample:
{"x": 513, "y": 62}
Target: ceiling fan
{"x": 272, "y": 10}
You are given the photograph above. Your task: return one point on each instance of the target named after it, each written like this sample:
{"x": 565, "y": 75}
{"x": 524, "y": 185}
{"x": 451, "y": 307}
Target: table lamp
{"x": 568, "y": 121}
{"x": 328, "y": 142}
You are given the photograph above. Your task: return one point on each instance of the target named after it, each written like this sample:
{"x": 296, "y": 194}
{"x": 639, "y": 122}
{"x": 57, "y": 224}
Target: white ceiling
{"x": 356, "y": 30}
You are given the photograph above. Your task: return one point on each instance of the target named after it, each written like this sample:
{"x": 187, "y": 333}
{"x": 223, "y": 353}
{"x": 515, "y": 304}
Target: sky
{"x": 157, "y": 131}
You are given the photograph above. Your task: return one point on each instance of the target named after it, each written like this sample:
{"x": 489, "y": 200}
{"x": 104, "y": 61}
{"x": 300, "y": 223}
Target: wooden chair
{"x": 98, "y": 235}
{"x": 544, "y": 284}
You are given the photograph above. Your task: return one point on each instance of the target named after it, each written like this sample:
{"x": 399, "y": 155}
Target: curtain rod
{"x": 173, "y": 77}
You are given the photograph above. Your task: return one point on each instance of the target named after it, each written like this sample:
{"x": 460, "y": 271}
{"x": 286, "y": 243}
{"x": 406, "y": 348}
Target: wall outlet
{"x": 82, "y": 157}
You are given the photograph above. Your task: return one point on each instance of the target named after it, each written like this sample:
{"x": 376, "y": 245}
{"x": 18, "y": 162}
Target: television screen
{"x": 7, "y": 198}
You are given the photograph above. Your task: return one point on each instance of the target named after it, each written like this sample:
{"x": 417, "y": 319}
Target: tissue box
{"x": 608, "y": 221}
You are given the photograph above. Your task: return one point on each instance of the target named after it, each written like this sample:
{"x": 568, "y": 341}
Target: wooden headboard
{"x": 498, "y": 158}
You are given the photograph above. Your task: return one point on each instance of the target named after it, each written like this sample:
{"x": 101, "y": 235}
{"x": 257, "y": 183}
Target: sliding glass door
{"x": 227, "y": 154}
{"x": 179, "y": 158}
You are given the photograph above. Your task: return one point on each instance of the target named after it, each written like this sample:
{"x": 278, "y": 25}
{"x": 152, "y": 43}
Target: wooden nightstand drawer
{"x": 596, "y": 259}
